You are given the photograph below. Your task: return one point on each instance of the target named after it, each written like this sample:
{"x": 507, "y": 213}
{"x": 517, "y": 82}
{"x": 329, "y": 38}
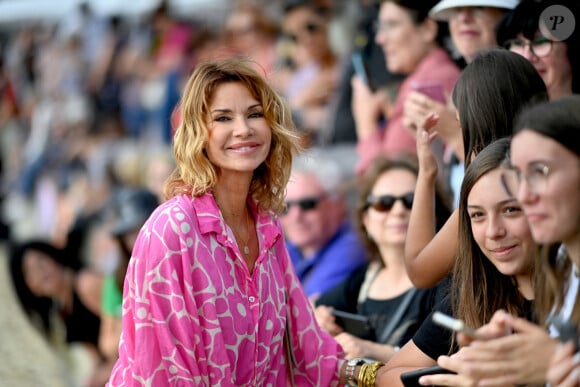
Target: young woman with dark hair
{"x": 494, "y": 268}
{"x": 489, "y": 95}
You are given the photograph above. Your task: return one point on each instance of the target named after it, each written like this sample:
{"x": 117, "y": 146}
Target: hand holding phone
{"x": 355, "y": 324}
{"x": 453, "y": 324}
{"x": 411, "y": 378}
{"x": 567, "y": 331}
{"x": 361, "y": 69}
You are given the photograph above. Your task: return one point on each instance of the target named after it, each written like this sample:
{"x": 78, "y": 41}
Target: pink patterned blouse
{"x": 194, "y": 315}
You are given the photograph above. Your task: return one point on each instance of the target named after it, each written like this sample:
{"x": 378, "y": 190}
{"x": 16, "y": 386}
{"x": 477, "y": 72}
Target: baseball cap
{"x": 439, "y": 11}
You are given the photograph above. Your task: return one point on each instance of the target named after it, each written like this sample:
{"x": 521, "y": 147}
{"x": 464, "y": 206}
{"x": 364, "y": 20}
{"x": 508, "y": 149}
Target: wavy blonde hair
{"x": 195, "y": 174}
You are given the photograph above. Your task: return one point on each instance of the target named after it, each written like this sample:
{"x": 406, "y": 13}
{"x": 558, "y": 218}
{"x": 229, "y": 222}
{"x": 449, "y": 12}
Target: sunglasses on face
{"x": 305, "y": 204}
{"x": 311, "y": 28}
{"x": 385, "y": 203}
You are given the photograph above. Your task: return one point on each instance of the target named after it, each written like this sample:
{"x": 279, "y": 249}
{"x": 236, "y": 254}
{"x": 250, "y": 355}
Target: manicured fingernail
{"x": 576, "y": 358}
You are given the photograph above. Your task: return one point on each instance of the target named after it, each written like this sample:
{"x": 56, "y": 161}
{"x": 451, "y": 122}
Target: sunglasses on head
{"x": 305, "y": 204}
{"x": 384, "y": 203}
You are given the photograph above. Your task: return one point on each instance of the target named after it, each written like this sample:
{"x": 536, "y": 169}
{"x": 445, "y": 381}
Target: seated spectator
{"x": 494, "y": 270}
{"x": 381, "y": 290}
{"x": 472, "y": 23}
{"x": 545, "y": 152}
{"x": 57, "y": 293}
{"x": 556, "y": 58}
{"x": 251, "y": 33}
{"x": 322, "y": 243}
{"x": 413, "y": 44}
{"x": 490, "y": 93}
{"x": 472, "y": 29}
{"x": 132, "y": 207}
{"x": 311, "y": 77}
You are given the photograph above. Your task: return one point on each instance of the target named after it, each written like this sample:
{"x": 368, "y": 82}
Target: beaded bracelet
{"x": 367, "y": 375}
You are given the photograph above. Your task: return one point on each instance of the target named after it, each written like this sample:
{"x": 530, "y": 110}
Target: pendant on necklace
{"x": 246, "y": 250}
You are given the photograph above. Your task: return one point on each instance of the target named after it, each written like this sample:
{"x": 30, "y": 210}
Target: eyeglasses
{"x": 305, "y": 204}
{"x": 310, "y": 27}
{"x": 536, "y": 178}
{"x": 385, "y": 25}
{"x": 539, "y": 47}
{"x": 385, "y": 203}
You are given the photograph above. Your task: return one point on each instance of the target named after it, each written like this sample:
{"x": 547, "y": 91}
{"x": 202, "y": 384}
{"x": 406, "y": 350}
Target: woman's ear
{"x": 430, "y": 29}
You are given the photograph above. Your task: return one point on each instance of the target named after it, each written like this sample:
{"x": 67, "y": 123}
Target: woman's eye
{"x": 256, "y": 115}
{"x": 475, "y": 215}
{"x": 512, "y": 209}
{"x": 221, "y": 119}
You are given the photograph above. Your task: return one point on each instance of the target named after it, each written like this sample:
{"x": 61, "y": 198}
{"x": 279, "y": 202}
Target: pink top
{"x": 194, "y": 315}
{"x": 396, "y": 137}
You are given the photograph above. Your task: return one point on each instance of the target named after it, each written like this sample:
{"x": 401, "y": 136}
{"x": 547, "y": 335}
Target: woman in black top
{"x": 381, "y": 291}
{"x": 494, "y": 268}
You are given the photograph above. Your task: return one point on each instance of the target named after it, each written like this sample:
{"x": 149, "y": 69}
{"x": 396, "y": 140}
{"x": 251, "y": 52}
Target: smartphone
{"x": 433, "y": 90}
{"x": 453, "y": 324}
{"x": 567, "y": 331}
{"x": 355, "y": 324}
{"x": 411, "y": 378}
{"x": 361, "y": 69}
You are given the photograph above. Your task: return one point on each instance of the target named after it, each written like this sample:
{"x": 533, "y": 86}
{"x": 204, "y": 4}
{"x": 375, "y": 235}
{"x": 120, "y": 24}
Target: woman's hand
{"x": 367, "y": 107}
{"x": 326, "y": 319}
{"x": 417, "y": 107}
{"x": 564, "y": 369}
{"x": 353, "y": 346}
{"x": 425, "y": 137}
{"x": 519, "y": 358}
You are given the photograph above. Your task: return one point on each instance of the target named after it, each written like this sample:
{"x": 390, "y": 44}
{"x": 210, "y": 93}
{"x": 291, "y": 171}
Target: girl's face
{"x": 404, "y": 43}
{"x": 42, "y": 274}
{"x": 548, "y": 186}
{"x": 239, "y": 135}
{"x": 388, "y": 227}
{"x": 499, "y": 226}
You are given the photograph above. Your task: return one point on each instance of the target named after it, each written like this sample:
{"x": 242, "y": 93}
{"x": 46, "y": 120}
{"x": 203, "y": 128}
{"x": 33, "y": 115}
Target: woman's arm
{"x": 429, "y": 256}
{"x": 409, "y": 358}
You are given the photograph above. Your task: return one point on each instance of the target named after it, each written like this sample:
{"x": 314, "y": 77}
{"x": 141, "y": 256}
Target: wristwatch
{"x": 350, "y": 369}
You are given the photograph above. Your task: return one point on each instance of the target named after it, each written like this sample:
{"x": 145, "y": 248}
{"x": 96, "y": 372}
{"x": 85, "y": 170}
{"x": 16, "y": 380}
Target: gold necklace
{"x": 245, "y": 248}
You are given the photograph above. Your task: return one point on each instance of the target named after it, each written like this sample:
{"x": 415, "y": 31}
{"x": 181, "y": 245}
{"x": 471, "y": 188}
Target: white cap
{"x": 439, "y": 11}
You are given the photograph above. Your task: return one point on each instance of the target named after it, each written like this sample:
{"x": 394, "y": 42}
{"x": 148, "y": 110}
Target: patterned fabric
{"x": 194, "y": 315}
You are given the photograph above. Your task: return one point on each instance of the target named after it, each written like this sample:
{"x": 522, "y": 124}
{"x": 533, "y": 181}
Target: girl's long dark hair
{"x": 479, "y": 289}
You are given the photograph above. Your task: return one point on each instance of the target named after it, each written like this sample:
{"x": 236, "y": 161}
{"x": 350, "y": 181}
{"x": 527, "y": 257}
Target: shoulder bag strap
{"x": 396, "y": 319}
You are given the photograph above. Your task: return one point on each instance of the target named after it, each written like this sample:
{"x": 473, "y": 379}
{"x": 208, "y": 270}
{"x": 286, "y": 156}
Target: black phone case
{"x": 355, "y": 324}
{"x": 411, "y": 378}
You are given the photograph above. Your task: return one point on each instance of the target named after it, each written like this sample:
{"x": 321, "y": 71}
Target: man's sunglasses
{"x": 305, "y": 204}
{"x": 384, "y": 203}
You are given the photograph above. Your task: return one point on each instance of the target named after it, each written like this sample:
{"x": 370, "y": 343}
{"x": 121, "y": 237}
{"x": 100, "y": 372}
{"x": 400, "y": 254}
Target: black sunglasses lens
{"x": 307, "y": 204}
{"x": 408, "y": 200}
{"x": 384, "y": 203}
{"x": 311, "y": 27}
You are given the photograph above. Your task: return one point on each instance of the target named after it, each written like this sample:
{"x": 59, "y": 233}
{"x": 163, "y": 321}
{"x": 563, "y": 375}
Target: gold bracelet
{"x": 367, "y": 375}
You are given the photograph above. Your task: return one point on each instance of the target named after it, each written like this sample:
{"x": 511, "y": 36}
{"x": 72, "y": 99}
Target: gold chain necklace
{"x": 246, "y": 248}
